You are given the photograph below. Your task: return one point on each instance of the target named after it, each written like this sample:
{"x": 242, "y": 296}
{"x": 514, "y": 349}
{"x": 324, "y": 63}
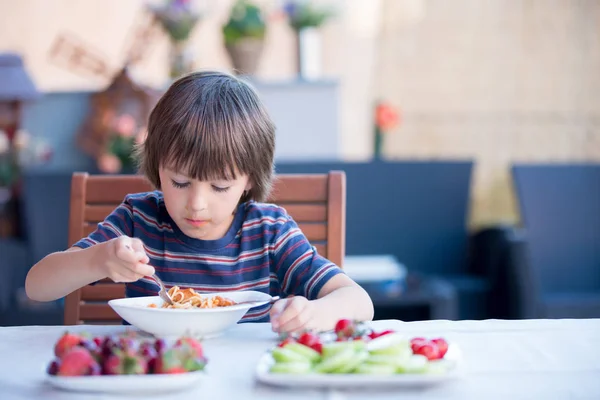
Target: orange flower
{"x": 109, "y": 163}
{"x": 386, "y": 117}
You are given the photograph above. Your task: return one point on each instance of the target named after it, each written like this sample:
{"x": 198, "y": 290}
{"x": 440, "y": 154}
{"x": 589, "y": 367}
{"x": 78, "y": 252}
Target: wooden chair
{"x": 317, "y": 202}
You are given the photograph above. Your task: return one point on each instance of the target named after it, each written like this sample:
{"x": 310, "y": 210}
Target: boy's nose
{"x": 196, "y": 202}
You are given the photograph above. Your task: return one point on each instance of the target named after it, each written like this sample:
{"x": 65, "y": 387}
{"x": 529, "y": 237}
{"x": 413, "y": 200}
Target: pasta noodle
{"x": 189, "y": 298}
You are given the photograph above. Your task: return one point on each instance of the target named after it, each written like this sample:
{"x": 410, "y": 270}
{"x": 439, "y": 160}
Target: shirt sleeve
{"x": 300, "y": 270}
{"x": 118, "y": 223}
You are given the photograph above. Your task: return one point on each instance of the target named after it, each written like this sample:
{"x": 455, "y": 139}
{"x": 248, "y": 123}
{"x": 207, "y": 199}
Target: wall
{"x": 495, "y": 80}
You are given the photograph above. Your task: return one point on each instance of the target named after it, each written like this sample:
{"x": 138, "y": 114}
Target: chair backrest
{"x": 560, "y": 211}
{"x": 317, "y": 202}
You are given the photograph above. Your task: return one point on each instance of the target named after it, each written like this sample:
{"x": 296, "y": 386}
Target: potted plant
{"x": 178, "y": 20}
{"x": 244, "y": 35}
{"x": 305, "y": 18}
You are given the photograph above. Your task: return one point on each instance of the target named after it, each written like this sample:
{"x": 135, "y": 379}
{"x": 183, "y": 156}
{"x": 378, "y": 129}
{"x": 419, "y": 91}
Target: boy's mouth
{"x": 196, "y": 222}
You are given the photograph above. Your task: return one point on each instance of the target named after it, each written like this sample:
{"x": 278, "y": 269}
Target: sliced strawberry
{"x": 442, "y": 346}
{"x": 429, "y": 350}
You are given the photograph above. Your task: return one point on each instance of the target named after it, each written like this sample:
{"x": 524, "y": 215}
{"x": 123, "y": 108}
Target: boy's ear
{"x": 248, "y": 186}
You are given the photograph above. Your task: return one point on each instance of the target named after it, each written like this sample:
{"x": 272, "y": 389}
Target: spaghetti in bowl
{"x": 220, "y": 312}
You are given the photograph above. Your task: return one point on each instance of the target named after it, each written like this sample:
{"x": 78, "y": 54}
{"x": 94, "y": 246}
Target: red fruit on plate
{"x": 345, "y": 328}
{"x": 375, "y": 335}
{"x": 125, "y": 363}
{"x": 53, "y": 367}
{"x": 309, "y": 339}
{"x": 442, "y": 346}
{"x": 318, "y": 347}
{"x": 192, "y": 343}
{"x": 98, "y": 340}
{"x": 77, "y": 362}
{"x": 417, "y": 342}
{"x": 66, "y": 343}
{"x": 429, "y": 350}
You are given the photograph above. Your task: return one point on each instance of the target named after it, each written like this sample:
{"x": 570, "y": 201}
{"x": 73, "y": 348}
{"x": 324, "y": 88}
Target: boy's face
{"x": 201, "y": 209}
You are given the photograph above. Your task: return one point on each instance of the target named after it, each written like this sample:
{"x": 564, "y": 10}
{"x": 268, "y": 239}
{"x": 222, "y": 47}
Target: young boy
{"x": 209, "y": 153}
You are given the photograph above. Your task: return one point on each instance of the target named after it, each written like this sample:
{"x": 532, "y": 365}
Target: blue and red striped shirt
{"x": 263, "y": 250}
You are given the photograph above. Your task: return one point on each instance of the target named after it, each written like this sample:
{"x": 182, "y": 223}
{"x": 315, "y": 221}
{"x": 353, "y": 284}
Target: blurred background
{"x": 468, "y": 130}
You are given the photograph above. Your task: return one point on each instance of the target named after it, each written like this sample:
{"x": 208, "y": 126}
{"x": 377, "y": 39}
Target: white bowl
{"x": 198, "y": 322}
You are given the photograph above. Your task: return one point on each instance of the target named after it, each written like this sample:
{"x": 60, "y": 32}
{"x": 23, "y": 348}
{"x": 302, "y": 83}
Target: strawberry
{"x": 375, "y": 335}
{"x": 442, "y": 346}
{"x": 125, "y": 362}
{"x": 66, "y": 342}
{"x": 77, "y": 362}
{"x": 345, "y": 328}
{"x": 417, "y": 342}
{"x": 309, "y": 339}
{"x": 192, "y": 343}
{"x": 429, "y": 350}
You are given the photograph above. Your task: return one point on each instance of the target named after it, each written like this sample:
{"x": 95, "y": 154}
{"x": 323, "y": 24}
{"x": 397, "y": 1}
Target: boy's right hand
{"x": 127, "y": 260}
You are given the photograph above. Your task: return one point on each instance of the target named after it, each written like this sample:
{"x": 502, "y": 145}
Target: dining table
{"x": 500, "y": 359}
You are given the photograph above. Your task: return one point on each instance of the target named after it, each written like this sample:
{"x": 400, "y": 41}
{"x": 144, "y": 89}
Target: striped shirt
{"x": 263, "y": 250}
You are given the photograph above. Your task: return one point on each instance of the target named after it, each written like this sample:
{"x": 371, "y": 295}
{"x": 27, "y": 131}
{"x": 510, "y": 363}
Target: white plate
{"x": 169, "y": 323}
{"x": 127, "y": 383}
{"x": 345, "y": 381}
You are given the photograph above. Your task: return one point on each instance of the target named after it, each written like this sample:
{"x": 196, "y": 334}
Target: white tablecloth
{"x": 531, "y": 359}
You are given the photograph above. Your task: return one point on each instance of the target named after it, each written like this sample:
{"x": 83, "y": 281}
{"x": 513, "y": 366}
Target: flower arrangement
{"x": 177, "y": 18}
{"x": 124, "y": 134}
{"x": 303, "y": 14}
{"x": 386, "y": 119}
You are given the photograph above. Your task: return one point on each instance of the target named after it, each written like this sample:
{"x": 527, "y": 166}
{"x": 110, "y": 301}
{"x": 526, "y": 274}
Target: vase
{"x": 308, "y": 45}
{"x": 245, "y": 55}
{"x": 181, "y": 59}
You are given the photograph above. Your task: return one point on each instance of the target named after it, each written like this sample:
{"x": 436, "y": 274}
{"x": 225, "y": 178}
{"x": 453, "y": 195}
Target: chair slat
{"x": 103, "y": 292}
{"x": 300, "y": 188}
{"x": 99, "y": 311}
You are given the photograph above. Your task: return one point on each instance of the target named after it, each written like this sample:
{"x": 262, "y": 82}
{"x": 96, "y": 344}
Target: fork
{"x": 163, "y": 291}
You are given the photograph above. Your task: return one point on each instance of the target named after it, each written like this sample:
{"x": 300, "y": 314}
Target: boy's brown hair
{"x": 210, "y": 125}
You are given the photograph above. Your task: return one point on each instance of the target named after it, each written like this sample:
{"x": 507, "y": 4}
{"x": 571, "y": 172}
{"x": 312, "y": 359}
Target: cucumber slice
{"x": 336, "y": 361}
{"x": 383, "y": 359}
{"x": 305, "y": 351}
{"x": 400, "y": 350}
{"x": 296, "y": 367}
{"x": 351, "y": 365}
{"x": 438, "y": 366}
{"x": 375, "y": 369}
{"x": 282, "y": 354}
{"x": 415, "y": 364}
{"x": 330, "y": 349}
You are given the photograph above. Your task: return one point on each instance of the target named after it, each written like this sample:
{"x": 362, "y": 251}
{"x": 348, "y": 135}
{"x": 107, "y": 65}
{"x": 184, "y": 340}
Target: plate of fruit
{"x": 355, "y": 356}
{"x": 126, "y": 362}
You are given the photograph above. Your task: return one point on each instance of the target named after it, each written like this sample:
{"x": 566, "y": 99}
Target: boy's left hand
{"x": 292, "y": 314}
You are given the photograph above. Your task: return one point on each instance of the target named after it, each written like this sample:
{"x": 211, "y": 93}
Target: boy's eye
{"x": 179, "y": 185}
{"x": 220, "y": 189}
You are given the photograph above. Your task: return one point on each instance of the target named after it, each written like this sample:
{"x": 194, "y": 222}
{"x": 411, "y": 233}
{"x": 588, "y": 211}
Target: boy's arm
{"x": 301, "y": 271}
{"x": 341, "y": 297}
{"x": 60, "y": 273}
{"x": 90, "y": 259}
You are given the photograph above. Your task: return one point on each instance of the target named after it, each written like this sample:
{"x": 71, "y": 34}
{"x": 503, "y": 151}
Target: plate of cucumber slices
{"x": 358, "y": 358}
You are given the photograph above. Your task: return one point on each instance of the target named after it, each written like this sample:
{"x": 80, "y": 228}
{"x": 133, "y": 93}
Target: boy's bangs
{"x": 206, "y": 150}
